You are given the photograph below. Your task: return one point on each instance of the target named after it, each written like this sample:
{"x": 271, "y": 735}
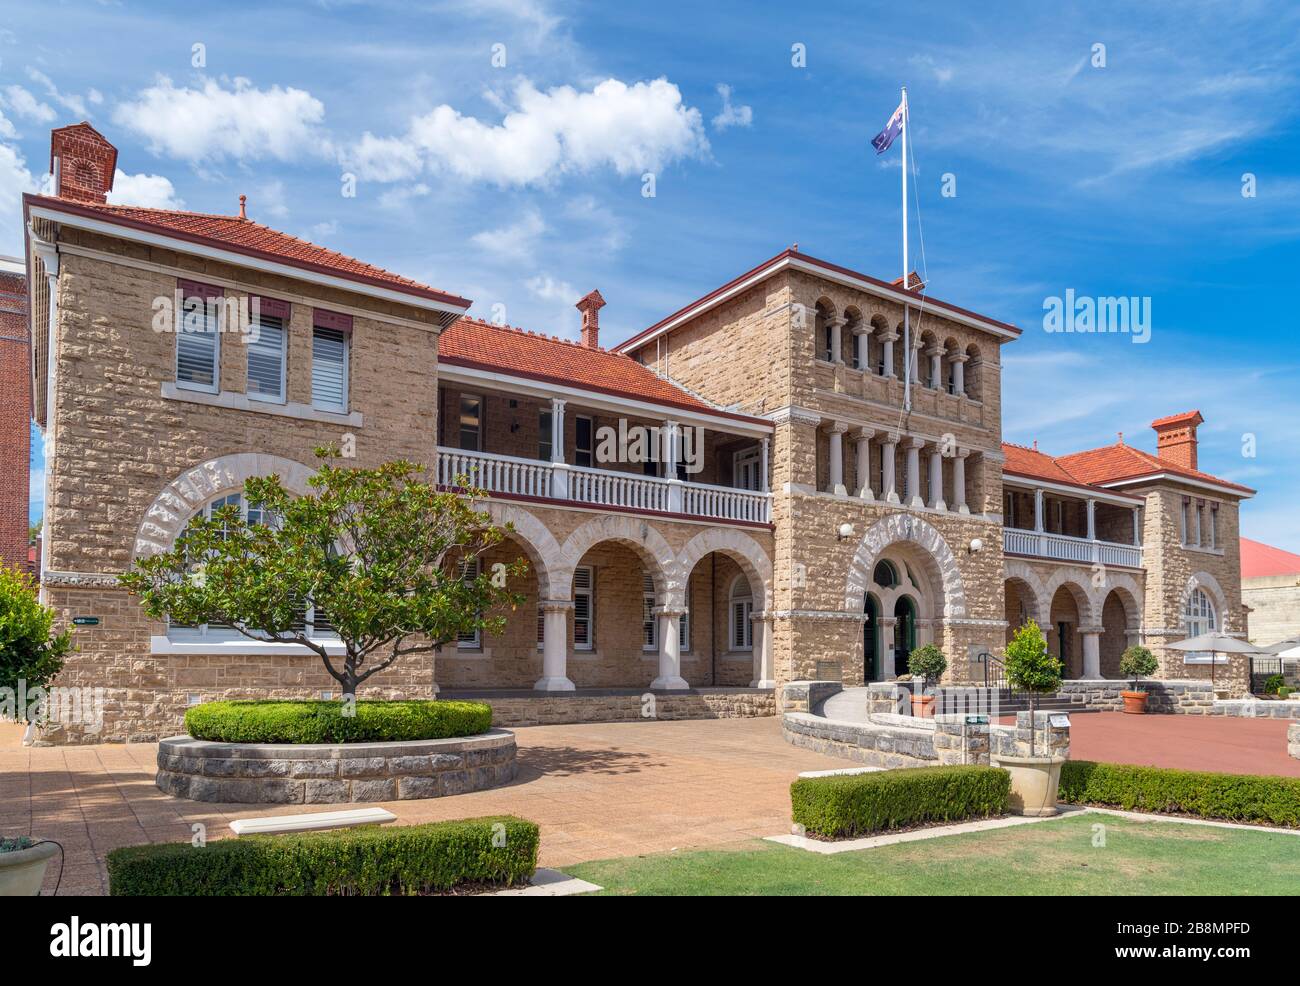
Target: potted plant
{"x": 1031, "y": 668}
{"x": 31, "y": 654}
{"x": 926, "y": 664}
{"x": 22, "y": 866}
{"x": 1136, "y": 662}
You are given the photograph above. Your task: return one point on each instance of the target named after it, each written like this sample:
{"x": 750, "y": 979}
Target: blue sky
{"x": 520, "y": 184}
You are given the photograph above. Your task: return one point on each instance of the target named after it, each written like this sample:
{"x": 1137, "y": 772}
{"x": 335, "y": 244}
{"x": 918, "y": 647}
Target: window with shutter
{"x": 329, "y": 369}
{"x": 468, "y": 573}
{"x": 198, "y": 338}
{"x": 584, "y": 608}
{"x": 742, "y": 606}
{"x": 266, "y": 361}
{"x": 649, "y": 624}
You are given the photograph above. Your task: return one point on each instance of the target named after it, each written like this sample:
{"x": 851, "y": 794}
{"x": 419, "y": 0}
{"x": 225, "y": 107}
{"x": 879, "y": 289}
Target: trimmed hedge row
{"x": 367, "y": 861}
{"x": 1231, "y": 797}
{"x": 845, "y": 805}
{"x": 324, "y": 722}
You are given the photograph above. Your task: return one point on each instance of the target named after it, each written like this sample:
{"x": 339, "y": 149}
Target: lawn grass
{"x": 1056, "y": 857}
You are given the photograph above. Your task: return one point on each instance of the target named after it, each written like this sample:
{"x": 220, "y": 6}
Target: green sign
{"x": 85, "y": 621}
{"x": 977, "y": 720}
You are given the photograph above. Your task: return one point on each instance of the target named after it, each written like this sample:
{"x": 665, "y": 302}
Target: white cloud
{"x": 15, "y": 179}
{"x": 630, "y": 129}
{"x": 731, "y": 116}
{"x": 22, "y": 102}
{"x": 71, "y": 102}
{"x": 515, "y": 241}
{"x": 7, "y": 130}
{"x": 942, "y": 73}
{"x": 549, "y": 289}
{"x": 268, "y": 199}
{"x": 150, "y": 191}
{"x": 325, "y": 229}
{"x": 217, "y": 120}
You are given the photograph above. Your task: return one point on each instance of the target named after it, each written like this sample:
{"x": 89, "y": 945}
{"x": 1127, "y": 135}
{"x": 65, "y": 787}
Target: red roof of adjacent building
{"x": 1259, "y": 559}
{"x": 473, "y": 343}
{"x": 1033, "y": 464}
{"x": 1112, "y": 463}
{"x": 246, "y": 237}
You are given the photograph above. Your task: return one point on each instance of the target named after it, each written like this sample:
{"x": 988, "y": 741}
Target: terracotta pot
{"x": 1135, "y": 703}
{"x": 22, "y": 872}
{"x": 923, "y": 706}
{"x": 1034, "y": 782}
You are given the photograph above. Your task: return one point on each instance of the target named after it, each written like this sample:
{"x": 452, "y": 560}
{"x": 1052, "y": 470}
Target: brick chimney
{"x": 1176, "y": 438}
{"x": 85, "y": 163}
{"x": 590, "y": 307}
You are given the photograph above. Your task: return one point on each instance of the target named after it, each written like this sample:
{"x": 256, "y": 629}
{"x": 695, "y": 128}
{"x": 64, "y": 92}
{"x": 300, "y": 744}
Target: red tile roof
{"x": 1033, "y": 464}
{"x": 246, "y": 237}
{"x": 1259, "y": 559}
{"x": 473, "y": 343}
{"x": 1111, "y": 463}
{"x": 1177, "y": 419}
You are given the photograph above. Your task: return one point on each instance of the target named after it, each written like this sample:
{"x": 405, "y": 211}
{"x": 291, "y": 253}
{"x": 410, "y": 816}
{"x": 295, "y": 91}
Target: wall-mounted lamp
{"x": 976, "y": 546}
{"x": 844, "y": 531}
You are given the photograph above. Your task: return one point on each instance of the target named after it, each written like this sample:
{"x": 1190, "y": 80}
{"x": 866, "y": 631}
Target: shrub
{"x": 29, "y": 651}
{"x": 845, "y": 805}
{"x": 368, "y": 861}
{"x": 1233, "y": 797}
{"x": 17, "y": 844}
{"x": 324, "y": 722}
{"x": 928, "y": 663}
{"x": 1030, "y": 666}
{"x": 1137, "y": 662}
{"x": 1273, "y": 684}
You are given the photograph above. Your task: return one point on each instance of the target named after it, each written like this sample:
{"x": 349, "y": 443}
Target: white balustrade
{"x": 1063, "y": 547}
{"x": 494, "y": 473}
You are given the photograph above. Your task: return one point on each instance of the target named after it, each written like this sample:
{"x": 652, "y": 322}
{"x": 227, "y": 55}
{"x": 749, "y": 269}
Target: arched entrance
{"x": 872, "y": 669}
{"x": 904, "y": 632}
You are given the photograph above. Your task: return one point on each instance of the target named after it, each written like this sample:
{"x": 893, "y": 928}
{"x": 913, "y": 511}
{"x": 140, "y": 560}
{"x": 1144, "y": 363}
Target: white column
{"x": 887, "y": 670}
{"x": 888, "y": 482}
{"x": 559, "y": 469}
{"x": 914, "y": 361}
{"x": 864, "y": 437}
{"x": 1038, "y": 511}
{"x": 959, "y": 374}
{"x": 762, "y": 476}
{"x": 862, "y": 345}
{"x": 764, "y": 674}
{"x": 959, "y": 482}
{"x": 670, "y": 653}
{"x": 936, "y": 367}
{"x": 887, "y": 341}
{"x": 836, "y": 435}
{"x": 555, "y": 647}
{"x": 1137, "y": 525}
{"x": 913, "y": 497}
{"x": 936, "y": 479}
{"x": 671, "y": 449}
{"x": 837, "y": 338}
{"x": 1092, "y": 520}
{"x": 1091, "y": 652}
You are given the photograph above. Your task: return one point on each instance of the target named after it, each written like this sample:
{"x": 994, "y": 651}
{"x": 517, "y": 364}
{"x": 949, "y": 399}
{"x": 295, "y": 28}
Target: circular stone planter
{"x": 1034, "y": 782}
{"x": 22, "y": 872}
{"x": 334, "y": 773}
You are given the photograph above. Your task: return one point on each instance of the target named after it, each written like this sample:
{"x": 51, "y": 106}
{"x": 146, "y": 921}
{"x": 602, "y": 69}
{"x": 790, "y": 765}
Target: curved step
{"x": 849, "y": 705}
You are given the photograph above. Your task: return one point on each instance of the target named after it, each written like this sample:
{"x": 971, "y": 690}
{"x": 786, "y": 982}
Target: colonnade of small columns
{"x": 911, "y": 493}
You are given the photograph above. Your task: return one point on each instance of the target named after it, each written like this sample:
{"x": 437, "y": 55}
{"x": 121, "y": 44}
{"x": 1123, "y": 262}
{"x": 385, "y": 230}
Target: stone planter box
{"x": 1293, "y": 739}
{"x": 333, "y": 773}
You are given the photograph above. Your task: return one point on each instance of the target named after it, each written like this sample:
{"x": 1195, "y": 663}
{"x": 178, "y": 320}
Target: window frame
{"x": 590, "y": 450}
{"x": 589, "y": 595}
{"x": 469, "y": 569}
{"x": 342, "y": 324}
{"x": 282, "y": 396}
{"x": 479, "y": 427}
{"x": 745, "y": 602}
{"x": 1205, "y": 621}
{"x": 207, "y": 292}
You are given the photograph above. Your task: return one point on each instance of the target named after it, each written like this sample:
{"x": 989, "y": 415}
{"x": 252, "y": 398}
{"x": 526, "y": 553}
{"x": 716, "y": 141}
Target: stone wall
{"x": 1274, "y": 602}
{"x": 339, "y": 773}
{"x": 556, "y": 708}
{"x": 1188, "y": 697}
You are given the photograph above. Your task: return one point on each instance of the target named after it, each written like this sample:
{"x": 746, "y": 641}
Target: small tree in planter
{"x": 926, "y": 664}
{"x": 31, "y": 653}
{"x": 382, "y": 551}
{"x": 1137, "y": 662}
{"x": 1031, "y": 667}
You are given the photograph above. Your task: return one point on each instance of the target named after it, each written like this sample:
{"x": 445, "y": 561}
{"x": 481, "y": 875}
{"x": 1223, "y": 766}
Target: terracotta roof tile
{"x": 472, "y": 342}
{"x": 1173, "y": 419}
{"x": 246, "y": 236}
{"x": 1111, "y": 463}
{"x": 1259, "y": 559}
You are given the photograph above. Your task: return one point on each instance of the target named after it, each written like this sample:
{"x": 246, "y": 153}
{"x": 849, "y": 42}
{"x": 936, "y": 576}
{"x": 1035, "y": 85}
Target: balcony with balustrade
{"x": 564, "y": 452}
{"x": 1043, "y": 521}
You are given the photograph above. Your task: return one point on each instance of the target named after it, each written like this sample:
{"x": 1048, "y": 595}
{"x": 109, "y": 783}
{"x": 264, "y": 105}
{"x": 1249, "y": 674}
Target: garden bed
{"x": 335, "y": 722}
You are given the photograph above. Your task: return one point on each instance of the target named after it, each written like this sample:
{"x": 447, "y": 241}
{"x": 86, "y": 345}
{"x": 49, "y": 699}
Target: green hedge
{"x": 846, "y": 805}
{"x": 324, "y": 722}
{"x": 368, "y": 861}
{"x": 1232, "y": 797}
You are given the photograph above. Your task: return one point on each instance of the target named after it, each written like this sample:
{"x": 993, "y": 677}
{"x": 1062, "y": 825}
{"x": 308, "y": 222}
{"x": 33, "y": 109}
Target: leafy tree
{"x": 927, "y": 663}
{"x": 34, "y": 530}
{"x": 30, "y": 652}
{"x": 1030, "y": 665}
{"x": 382, "y": 551}
{"x": 1137, "y": 662}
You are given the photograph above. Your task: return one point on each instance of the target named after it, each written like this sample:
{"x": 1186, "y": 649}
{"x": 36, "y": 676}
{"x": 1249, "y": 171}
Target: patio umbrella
{"x": 1282, "y": 646}
{"x": 1215, "y": 643}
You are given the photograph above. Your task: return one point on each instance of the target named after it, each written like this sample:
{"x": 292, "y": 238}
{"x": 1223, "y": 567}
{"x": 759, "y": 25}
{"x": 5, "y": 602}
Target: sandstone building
{"x": 797, "y": 519}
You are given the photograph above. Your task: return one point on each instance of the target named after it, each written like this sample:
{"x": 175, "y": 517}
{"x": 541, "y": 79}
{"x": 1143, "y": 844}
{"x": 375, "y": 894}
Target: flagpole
{"x": 907, "y": 327}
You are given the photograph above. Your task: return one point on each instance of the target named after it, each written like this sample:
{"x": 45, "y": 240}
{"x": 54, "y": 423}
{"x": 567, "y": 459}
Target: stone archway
{"x": 742, "y": 549}
{"x": 659, "y": 558}
{"x": 539, "y": 545}
{"x": 933, "y": 550}
{"x": 185, "y": 495}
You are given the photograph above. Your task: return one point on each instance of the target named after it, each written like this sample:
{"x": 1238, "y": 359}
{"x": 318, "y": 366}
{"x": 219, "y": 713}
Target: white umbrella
{"x": 1282, "y": 646}
{"x": 1215, "y": 643}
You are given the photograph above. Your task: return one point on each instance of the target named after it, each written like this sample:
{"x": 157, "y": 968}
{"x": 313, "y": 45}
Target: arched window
{"x": 885, "y": 574}
{"x": 741, "y": 608}
{"x": 1199, "y": 617}
{"x": 974, "y": 382}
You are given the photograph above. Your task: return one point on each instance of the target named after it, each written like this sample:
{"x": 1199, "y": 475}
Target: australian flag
{"x": 893, "y": 128}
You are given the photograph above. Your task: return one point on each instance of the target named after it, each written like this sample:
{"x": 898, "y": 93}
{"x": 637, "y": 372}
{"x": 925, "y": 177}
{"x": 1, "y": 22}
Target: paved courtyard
{"x": 597, "y": 790}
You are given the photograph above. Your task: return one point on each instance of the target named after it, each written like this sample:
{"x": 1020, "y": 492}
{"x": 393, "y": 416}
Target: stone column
{"x": 888, "y": 482}
{"x": 763, "y": 483}
{"x": 864, "y": 437}
{"x": 837, "y": 338}
{"x": 670, "y": 653}
{"x": 836, "y": 433}
{"x": 559, "y": 470}
{"x": 555, "y": 647}
{"x": 887, "y": 624}
{"x": 959, "y": 374}
{"x": 914, "y": 360}
{"x": 1092, "y": 520}
{"x": 672, "y": 445}
{"x": 764, "y": 673}
{"x": 1137, "y": 525}
{"x": 936, "y": 366}
{"x": 887, "y": 341}
{"x": 1091, "y": 651}
{"x": 1038, "y": 511}
{"x": 913, "y": 497}
{"x": 936, "y": 479}
{"x": 862, "y": 345}
{"x": 959, "y": 481}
